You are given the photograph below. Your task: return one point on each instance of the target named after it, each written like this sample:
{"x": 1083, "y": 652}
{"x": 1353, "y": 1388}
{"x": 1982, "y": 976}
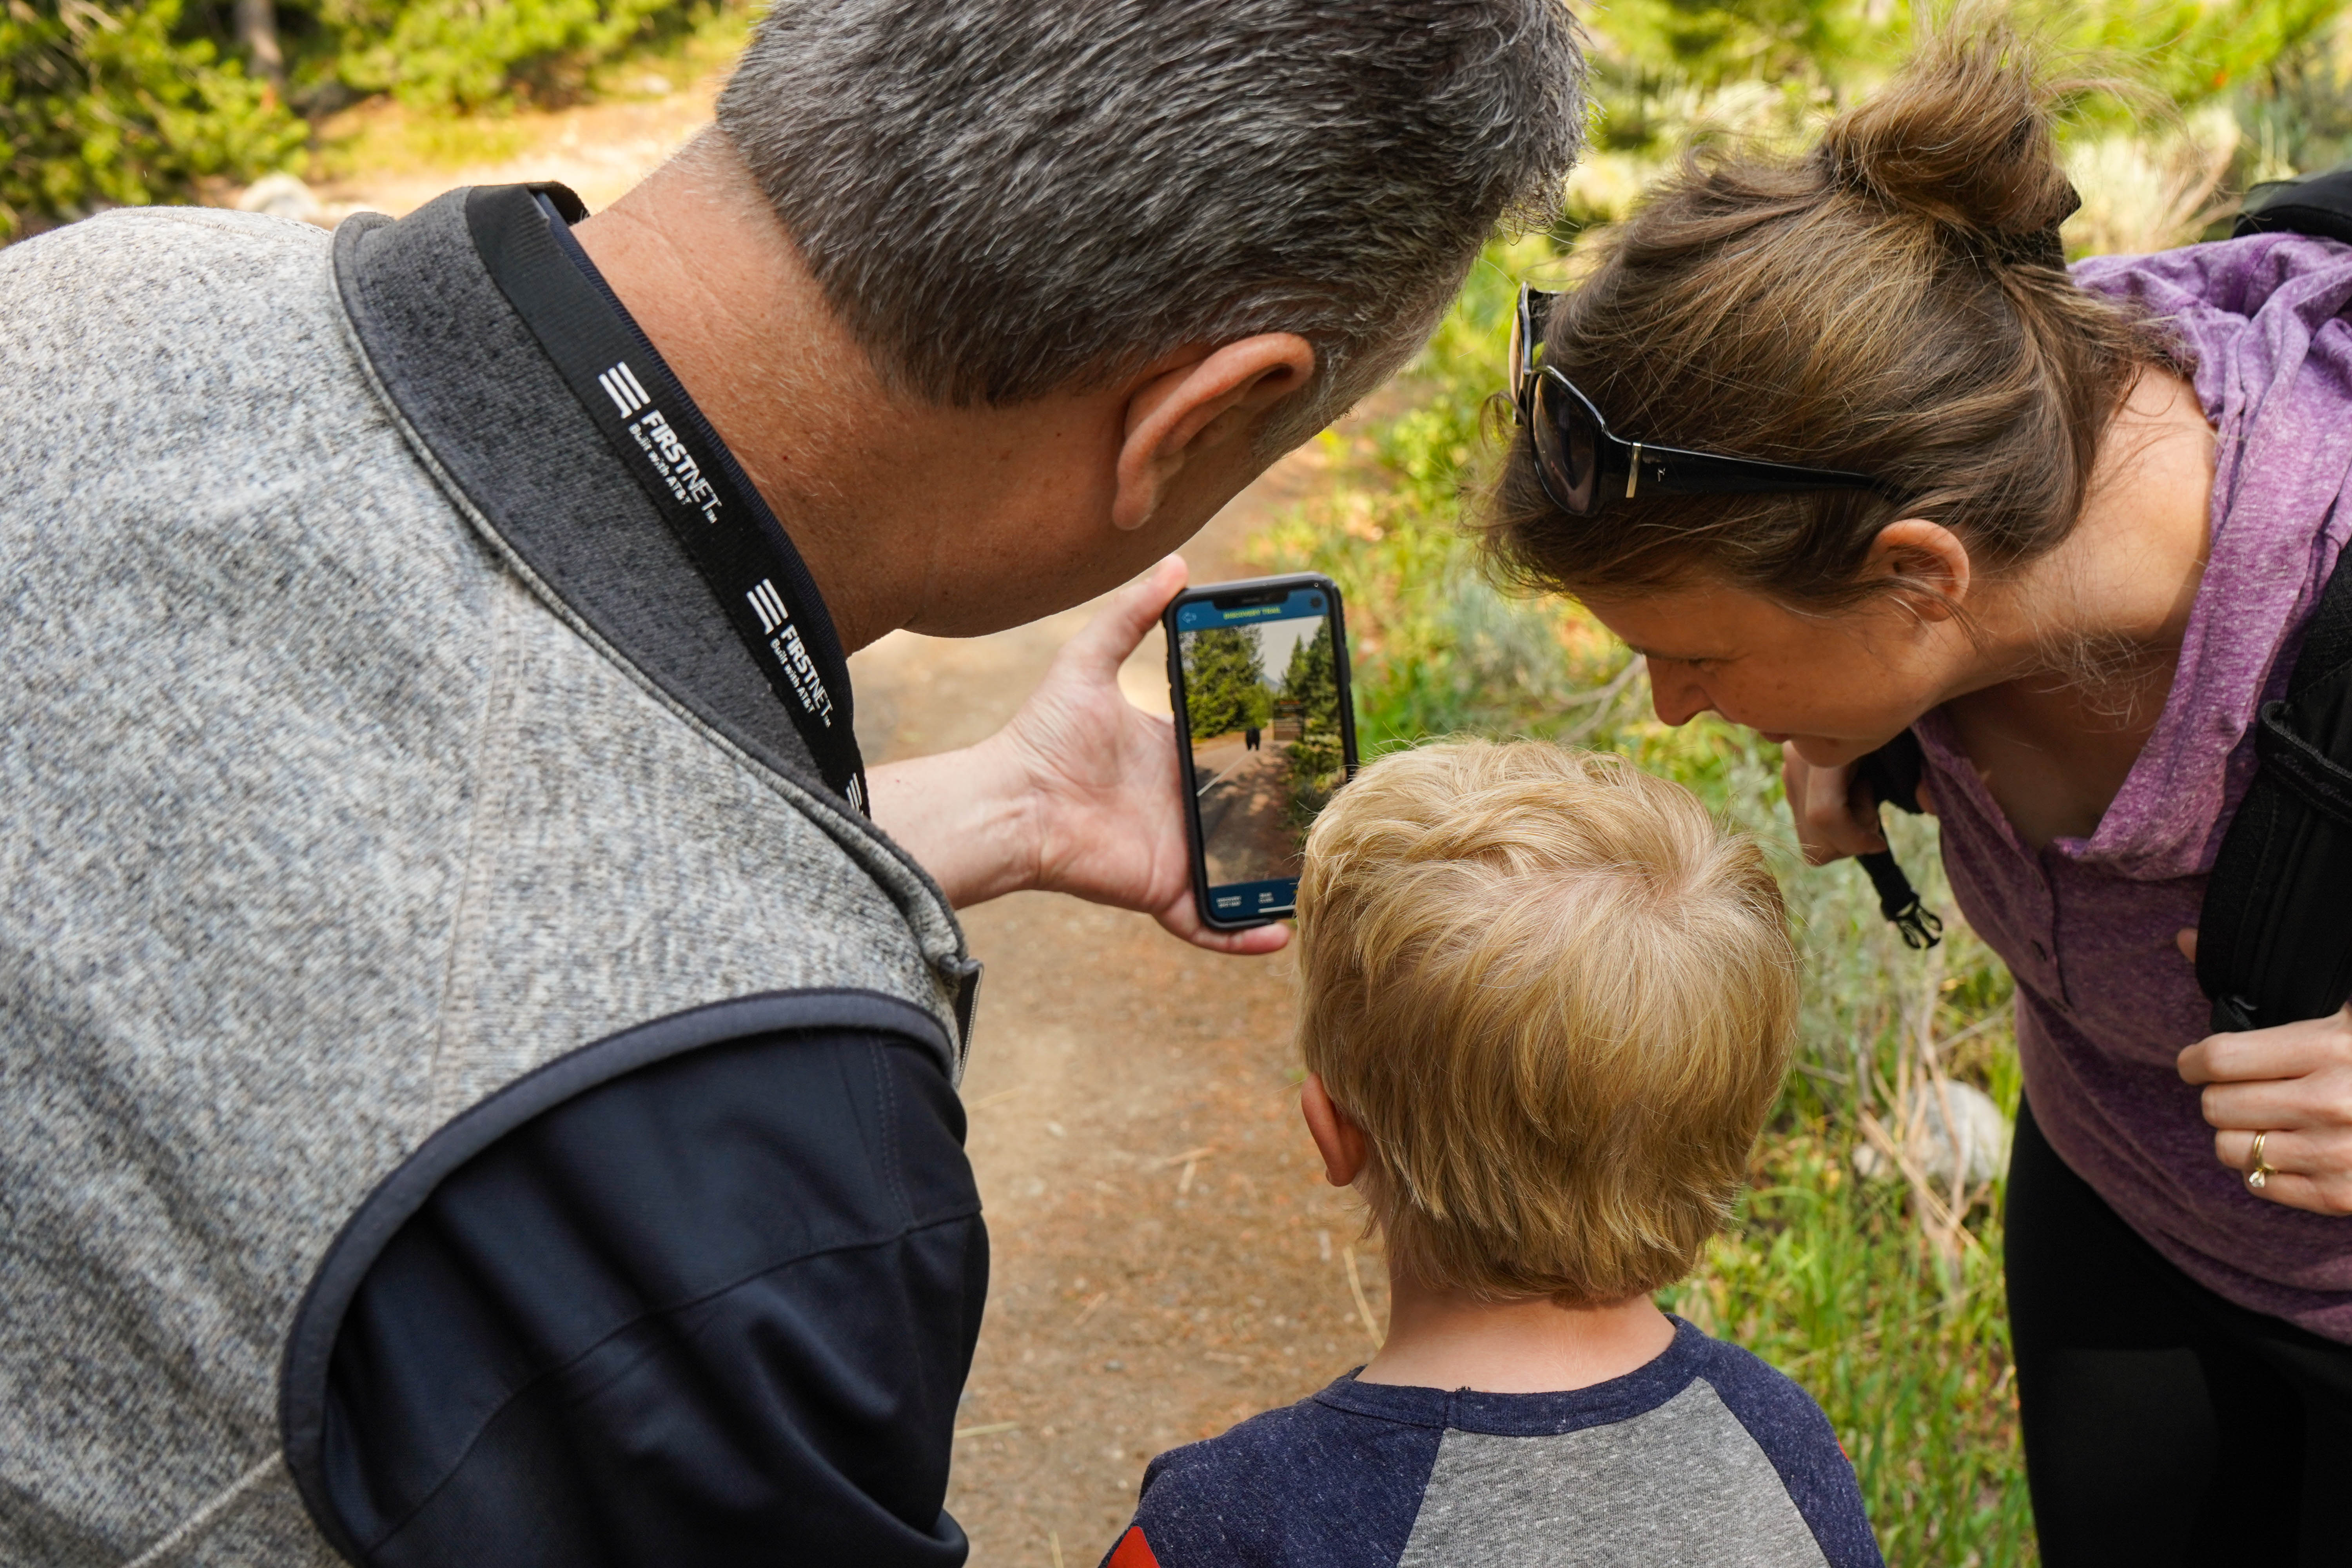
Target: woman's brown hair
{"x": 1894, "y": 302}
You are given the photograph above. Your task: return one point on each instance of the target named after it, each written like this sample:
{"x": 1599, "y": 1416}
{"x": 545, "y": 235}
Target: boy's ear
{"x": 1339, "y": 1140}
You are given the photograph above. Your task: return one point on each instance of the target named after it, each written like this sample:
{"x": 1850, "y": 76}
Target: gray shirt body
{"x": 1704, "y": 1458}
{"x": 369, "y": 746}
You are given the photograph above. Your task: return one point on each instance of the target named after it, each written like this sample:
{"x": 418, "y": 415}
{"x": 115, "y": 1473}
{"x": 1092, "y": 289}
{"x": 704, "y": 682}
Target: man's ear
{"x": 1931, "y": 562}
{"x": 1206, "y": 402}
{"x": 1339, "y": 1140}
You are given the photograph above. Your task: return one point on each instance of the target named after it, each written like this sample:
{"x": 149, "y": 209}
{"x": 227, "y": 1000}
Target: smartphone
{"x": 1265, "y": 731}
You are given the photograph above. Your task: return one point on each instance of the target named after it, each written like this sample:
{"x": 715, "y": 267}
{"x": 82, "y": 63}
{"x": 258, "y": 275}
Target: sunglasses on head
{"x": 1582, "y": 467}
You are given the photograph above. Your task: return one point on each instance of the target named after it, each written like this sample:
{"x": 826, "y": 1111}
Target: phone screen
{"x": 1264, "y": 706}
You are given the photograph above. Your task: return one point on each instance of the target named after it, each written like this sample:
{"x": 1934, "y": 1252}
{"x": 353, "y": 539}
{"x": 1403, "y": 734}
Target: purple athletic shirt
{"x": 2105, "y": 1000}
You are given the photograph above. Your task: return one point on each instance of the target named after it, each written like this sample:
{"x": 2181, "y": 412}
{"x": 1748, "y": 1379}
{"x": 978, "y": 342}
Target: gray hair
{"x": 1005, "y": 197}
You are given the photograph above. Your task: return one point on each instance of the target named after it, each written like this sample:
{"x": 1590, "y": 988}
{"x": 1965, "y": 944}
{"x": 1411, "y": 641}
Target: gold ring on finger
{"x": 2258, "y": 1172}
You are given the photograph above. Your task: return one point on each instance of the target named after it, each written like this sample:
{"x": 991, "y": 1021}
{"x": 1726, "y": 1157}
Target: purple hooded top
{"x": 2105, "y": 1003}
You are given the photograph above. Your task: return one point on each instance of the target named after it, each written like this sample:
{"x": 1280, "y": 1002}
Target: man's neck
{"x": 891, "y": 500}
{"x": 1447, "y": 1339}
{"x": 708, "y": 275}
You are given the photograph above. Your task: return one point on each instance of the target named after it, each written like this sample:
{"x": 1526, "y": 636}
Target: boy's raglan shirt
{"x": 1705, "y": 1455}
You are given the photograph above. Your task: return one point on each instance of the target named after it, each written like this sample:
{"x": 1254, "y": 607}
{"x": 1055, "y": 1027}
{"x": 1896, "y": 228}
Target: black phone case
{"x": 1196, "y": 849}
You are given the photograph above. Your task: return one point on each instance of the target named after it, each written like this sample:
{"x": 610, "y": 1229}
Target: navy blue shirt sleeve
{"x": 715, "y": 1306}
{"x": 1803, "y": 1448}
{"x": 1305, "y": 1487}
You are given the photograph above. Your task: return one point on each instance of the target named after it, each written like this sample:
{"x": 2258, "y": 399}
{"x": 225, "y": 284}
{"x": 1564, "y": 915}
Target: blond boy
{"x": 1547, "y": 1006}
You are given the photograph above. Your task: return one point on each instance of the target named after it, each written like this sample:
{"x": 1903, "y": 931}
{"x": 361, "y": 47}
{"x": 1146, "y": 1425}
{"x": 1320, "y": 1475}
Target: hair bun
{"x": 1962, "y": 136}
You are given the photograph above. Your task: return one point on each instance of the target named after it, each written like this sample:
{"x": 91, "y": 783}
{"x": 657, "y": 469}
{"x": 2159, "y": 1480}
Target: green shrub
{"x": 476, "y": 54}
{"x": 1225, "y": 682}
{"x": 1318, "y": 759}
{"x": 102, "y": 105}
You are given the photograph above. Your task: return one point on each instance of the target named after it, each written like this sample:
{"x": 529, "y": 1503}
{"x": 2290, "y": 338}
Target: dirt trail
{"x": 1167, "y": 1258}
{"x": 599, "y": 150}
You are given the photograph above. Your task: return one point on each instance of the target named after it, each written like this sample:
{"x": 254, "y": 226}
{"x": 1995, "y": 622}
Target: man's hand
{"x": 2292, "y": 1082}
{"x": 1079, "y": 794}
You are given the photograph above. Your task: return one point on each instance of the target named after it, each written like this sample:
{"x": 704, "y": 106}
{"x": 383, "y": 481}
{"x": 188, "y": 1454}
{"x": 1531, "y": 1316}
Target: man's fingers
{"x": 1182, "y": 920}
{"x": 1254, "y": 942}
{"x": 1133, "y": 611}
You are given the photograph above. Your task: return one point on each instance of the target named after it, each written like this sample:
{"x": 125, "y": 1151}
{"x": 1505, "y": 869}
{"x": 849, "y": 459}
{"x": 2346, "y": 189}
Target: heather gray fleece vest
{"x": 324, "y": 813}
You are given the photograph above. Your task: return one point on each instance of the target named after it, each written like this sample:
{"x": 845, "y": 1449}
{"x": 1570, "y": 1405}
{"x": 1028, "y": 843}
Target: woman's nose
{"x": 1676, "y": 693}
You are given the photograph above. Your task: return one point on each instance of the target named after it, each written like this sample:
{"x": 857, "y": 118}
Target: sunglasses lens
{"x": 1566, "y": 449}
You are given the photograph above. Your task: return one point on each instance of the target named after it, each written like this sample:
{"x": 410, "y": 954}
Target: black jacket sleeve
{"x": 703, "y": 1292}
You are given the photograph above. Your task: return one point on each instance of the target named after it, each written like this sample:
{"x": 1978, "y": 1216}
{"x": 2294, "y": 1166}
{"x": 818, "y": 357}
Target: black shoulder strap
{"x": 1891, "y": 774}
{"x": 2317, "y": 204}
{"x": 523, "y": 233}
{"x": 2274, "y": 937}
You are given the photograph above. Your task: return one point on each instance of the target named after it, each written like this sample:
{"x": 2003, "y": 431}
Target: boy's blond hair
{"x": 1558, "y": 1000}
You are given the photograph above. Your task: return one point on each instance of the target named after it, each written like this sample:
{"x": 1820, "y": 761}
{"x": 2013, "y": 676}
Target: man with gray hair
{"x": 480, "y": 1050}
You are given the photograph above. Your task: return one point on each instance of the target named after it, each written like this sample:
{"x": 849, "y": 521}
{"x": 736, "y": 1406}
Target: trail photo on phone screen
{"x": 1262, "y": 701}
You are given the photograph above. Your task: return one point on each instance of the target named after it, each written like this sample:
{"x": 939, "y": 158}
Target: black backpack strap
{"x": 1892, "y": 775}
{"x": 2274, "y": 937}
{"x": 2317, "y": 204}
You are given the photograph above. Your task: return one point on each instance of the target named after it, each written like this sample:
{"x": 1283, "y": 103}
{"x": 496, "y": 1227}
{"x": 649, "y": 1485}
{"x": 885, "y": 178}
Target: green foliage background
{"x": 1318, "y": 758}
{"x": 113, "y": 104}
{"x": 472, "y": 55}
{"x": 108, "y": 102}
{"x": 1225, "y": 682}
{"x": 124, "y": 102}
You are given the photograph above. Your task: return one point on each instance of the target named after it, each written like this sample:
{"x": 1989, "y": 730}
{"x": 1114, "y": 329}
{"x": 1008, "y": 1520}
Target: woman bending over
{"x": 2066, "y": 528}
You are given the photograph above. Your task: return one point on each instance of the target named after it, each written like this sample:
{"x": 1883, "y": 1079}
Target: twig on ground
{"x": 1604, "y": 702}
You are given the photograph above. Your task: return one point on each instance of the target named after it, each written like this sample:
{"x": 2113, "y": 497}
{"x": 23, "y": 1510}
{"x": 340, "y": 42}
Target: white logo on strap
{"x": 620, "y": 384}
{"x": 769, "y": 605}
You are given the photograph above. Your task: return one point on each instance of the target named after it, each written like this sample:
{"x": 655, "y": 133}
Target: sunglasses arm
{"x": 1670, "y": 471}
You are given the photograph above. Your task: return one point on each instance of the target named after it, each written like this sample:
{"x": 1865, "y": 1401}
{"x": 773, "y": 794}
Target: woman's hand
{"x": 1833, "y": 810}
{"x": 2292, "y": 1082}
{"x": 1835, "y": 816}
{"x": 1079, "y": 794}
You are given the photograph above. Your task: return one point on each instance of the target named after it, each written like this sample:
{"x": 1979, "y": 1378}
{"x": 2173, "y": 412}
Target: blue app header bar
{"x": 1302, "y": 602}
